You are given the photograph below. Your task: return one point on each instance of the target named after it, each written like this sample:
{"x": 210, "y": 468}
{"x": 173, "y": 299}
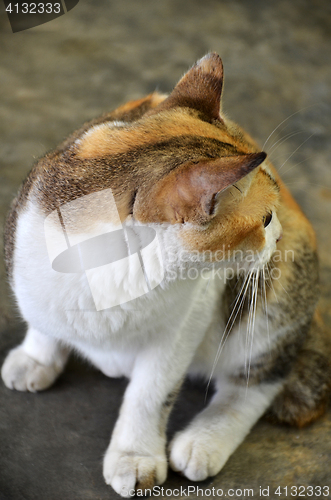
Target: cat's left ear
{"x": 189, "y": 193}
{"x": 200, "y": 88}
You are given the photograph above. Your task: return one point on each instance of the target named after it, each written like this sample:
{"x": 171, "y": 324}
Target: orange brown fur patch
{"x": 238, "y": 223}
{"x": 146, "y": 482}
{"x": 131, "y": 108}
{"x": 107, "y": 140}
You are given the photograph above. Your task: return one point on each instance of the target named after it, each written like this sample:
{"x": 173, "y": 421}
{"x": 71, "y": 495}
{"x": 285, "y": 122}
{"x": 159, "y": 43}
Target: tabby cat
{"x": 215, "y": 274}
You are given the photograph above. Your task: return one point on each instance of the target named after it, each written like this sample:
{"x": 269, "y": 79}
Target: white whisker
{"x": 282, "y": 140}
{"x": 252, "y": 325}
{"x": 286, "y": 119}
{"x": 296, "y": 150}
{"x": 283, "y": 287}
{"x": 306, "y": 159}
{"x": 250, "y": 303}
{"x": 232, "y": 318}
{"x": 271, "y": 283}
{"x": 266, "y": 307}
{"x": 310, "y": 184}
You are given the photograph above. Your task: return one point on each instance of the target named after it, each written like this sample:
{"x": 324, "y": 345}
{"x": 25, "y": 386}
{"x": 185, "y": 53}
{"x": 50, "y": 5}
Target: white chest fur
{"x": 61, "y": 304}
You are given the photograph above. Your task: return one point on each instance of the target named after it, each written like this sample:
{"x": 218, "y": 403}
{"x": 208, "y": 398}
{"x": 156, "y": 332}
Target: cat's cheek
{"x": 252, "y": 247}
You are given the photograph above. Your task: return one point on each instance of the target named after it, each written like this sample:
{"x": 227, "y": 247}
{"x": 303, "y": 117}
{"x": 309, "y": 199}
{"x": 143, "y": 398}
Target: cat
{"x": 215, "y": 275}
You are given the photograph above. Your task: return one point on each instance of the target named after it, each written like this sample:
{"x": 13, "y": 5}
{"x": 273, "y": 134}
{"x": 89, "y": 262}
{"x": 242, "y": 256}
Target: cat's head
{"x": 219, "y": 190}
{"x": 183, "y": 163}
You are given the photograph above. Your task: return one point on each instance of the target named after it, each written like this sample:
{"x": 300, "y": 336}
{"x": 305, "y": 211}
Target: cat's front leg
{"x": 35, "y": 364}
{"x": 202, "y": 449}
{"x": 136, "y": 456}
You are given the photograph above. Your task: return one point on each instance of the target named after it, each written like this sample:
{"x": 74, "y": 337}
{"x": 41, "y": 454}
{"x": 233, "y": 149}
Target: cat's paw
{"x": 128, "y": 471}
{"x": 23, "y": 373}
{"x": 197, "y": 455}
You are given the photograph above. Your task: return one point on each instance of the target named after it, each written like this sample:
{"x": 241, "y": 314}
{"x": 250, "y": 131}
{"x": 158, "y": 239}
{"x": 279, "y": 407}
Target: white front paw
{"x": 23, "y": 373}
{"x": 129, "y": 471}
{"x": 197, "y": 454}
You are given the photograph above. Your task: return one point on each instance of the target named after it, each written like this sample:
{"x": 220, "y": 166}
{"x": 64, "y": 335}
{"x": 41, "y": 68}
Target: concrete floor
{"x": 277, "y": 59}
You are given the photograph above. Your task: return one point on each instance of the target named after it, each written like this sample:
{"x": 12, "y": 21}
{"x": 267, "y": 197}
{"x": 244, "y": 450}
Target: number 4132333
{"x": 34, "y": 8}
{"x": 303, "y": 491}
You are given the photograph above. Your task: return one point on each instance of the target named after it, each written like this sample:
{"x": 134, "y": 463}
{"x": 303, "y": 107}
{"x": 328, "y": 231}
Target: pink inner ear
{"x": 200, "y": 88}
{"x": 190, "y": 190}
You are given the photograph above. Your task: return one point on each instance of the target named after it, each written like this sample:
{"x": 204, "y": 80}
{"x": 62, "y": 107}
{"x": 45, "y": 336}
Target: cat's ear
{"x": 188, "y": 193}
{"x": 200, "y": 88}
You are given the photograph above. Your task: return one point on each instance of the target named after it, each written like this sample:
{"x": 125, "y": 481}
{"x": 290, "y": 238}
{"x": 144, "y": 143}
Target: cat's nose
{"x": 279, "y": 237}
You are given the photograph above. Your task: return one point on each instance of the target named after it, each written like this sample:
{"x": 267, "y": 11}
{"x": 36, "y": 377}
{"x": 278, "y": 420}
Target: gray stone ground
{"x": 277, "y": 59}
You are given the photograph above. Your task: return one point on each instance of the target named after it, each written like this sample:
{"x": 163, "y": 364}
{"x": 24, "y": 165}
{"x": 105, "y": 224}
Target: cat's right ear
{"x": 200, "y": 88}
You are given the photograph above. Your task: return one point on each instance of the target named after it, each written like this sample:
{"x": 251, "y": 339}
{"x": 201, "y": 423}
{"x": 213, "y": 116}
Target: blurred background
{"x": 277, "y": 62}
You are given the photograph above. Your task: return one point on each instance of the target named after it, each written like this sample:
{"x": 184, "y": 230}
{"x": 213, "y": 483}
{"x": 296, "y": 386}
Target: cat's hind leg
{"x": 35, "y": 364}
{"x": 306, "y": 392}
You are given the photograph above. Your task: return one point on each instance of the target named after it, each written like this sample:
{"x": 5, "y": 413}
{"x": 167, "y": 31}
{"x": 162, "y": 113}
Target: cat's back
{"x": 60, "y": 177}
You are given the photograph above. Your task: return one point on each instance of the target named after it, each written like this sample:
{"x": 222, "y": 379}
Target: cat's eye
{"x": 267, "y": 219}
